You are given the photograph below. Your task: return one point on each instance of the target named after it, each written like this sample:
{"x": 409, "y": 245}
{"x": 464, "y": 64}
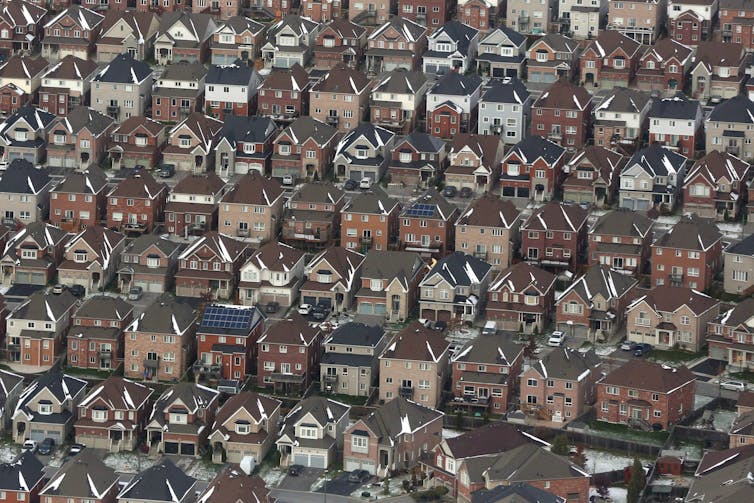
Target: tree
{"x": 530, "y": 348}
{"x": 560, "y": 445}
{"x": 386, "y": 486}
{"x": 636, "y": 482}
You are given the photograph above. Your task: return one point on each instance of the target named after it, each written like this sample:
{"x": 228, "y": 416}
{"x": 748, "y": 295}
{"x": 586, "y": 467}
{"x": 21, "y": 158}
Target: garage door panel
{"x": 428, "y": 314}
{"x": 443, "y": 315}
{"x": 301, "y": 459}
{"x": 316, "y": 461}
{"x": 188, "y": 449}
{"x": 170, "y": 447}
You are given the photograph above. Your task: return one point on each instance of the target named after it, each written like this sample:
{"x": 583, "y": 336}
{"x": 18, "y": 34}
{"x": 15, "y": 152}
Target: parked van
{"x": 490, "y": 328}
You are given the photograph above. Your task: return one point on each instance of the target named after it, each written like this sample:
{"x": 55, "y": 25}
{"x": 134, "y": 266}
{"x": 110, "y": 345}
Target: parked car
{"x": 305, "y": 309}
{"x": 733, "y": 385}
{"x": 288, "y": 180}
{"x": 272, "y": 307}
{"x": 350, "y": 184}
{"x": 58, "y": 289}
{"x": 359, "y": 476}
{"x": 628, "y": 346}
{"x": 641, "y": 349}
{"x": 319, "y": 313}
{"x": 295, "y": 470}
{"x": 466, "y": 192}
{"x": 77, "y": 290}
{"x": 135, "y": 293}
{"x": 365, "y": 183}
{"x": 30, "y": 445}
{"x": 167, "y": 170}
{"x": 440, "y": 325}
{"x": 450, "y": 191}
{"x": 556, "y": 339}
{"x": 46, "y": 447}
{"x": 76, "y": 448}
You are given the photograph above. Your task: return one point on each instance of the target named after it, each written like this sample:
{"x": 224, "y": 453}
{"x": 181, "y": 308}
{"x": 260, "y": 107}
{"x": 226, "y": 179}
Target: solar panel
{"x": 227, "y": 317}
{"x": 421, "y": 210}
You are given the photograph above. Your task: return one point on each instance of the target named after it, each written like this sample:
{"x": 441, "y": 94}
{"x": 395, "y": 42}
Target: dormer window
{"x": 178, "y": 417}
{"x": 99, "y": 416}
{"x": 362, "y": 152}
{"x": 249, "y": 148}
{"x": 405, "y": 157}
{"x": 79, "y": 256}
{"x": 243, "y": 427}
{"x": 22, "y": 134}
{"x": 45, "y": 407}
{"x": 324, "y": 276}
{"x": 30, "y": 254}
{"x": 184, "y": 141}
{"x": 375, "y": 285}
{"x": 307, "y": 432}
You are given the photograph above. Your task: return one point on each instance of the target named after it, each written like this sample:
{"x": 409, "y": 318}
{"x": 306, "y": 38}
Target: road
{"x": 288, "y": 496}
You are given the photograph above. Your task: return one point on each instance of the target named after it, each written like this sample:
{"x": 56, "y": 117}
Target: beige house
{"x": 415, "y": 366}
{"x": 390, "y": 284}
{"x": 349, "y": 364}
{"x": 739, "y": 267}
{"x": 252, "y": 208}
{"x": 729, "y": 128}
{"x": 488, "y": 229}
{"x": 529, "y": 18}
{"x": 340, "y": 98}
{"x": 25, "y": 193}
{"x": 641, "y": 20}
{"x": 273, "y": 273}
{"x": 718, "y": 71}
{"x": 332, "y": 279}
{"x": 91, "y": 258}
{"x": 123, "y": 88}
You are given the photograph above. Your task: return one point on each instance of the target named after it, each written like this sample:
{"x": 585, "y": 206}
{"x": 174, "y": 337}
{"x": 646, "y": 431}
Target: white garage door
{"x": 149, "y": 286}
{"x": 356, "y": 464}
{"x": 309, "y": 460}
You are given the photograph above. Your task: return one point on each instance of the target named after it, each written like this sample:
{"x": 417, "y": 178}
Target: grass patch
{"x": 347, "y": 399}
{"x": 746, "y": 375}
{"x": 675, "y": 355}
{"x": 97, "y": 374}
{"x": 586, "y": 345}
{"x": 623, "y": 431}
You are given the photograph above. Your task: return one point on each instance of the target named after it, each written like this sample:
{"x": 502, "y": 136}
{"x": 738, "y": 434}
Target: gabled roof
{"x": 61, "y": 386}
{"x": 234, "y": 74}
{"x": 8, "y": 382}
{"x": 723, "y": 476}
{"x": 323, "y": 410}
{"x": 44, "y": 306}
{"x": 129, "y": 125}
{"x": 276, "y": 256}
{"x": 410, "y": 30}
{"x": 557, "y": 42}
{"x": 139, "y": 22}
{"x": 192, "y": 396}
{"x": 224, "y": 247}
{"x": 21, "y": 13}
{"x": 649, "y": 376}
{"x": 533, "y": 147}
{"x": 738, "y": 109}
{"x": 86, "y": 19}
{"x": 119, "y": 394}
{"x": 557, "y": 216}
{"x": 417, "y": 342}
{"x": 422, "y": 142}
{"x": 677, "y": 107}
{"x": 392, "y": 265}
{"x": 565, "y": 96}
{"x": 200, "y": 26}
{"x": 342, "y": 80}
{"x": 300, "y": 26}
{"x": 711, "y": 53}
{"x": 375, "y": 136}
{"x": 485, "y": 147}
{"x": 101, "y": 240}
{"x": 307, "y": 127}
{"x": 743, "y": 247}
{"x": 515, "y": 493}
{"x": 258, "y": 406}
{"x": 184, "y": 71}
{"x": 667, "y": 48}
{"x": 486, "y": 440}
{"x": 345, "y": 28}
{"x": 717, "y": 165}
{"x": 85, "y": 476}
{"x": 356, "y": 334}
{"x": 22, "y": 177}
{"x": 657, "y": 160}
{"x": 104, "y": 307}
{"x": 23, "y": 67}
{"x": 202, "y": 126}
{"x": 456, "y": 84}
{"x": 690, "y": 233}
{"x": 601, "y": 279}
{"x": 23, "y": 474}
{"x": 431, "y": 205}
{"x": 145, "y": 241}
{"x": 294, "y": 78}
{"x": 345, "y": 262}
{"x": 523, "y": 276}
{"x": 124, "y": 69}
{"x": 623, "y": 222}
{"x": 239, "y": 24}
{"x": 458, "y": 32}
{"x": 515, "y": 37}
{"x": 253, "y": 188}
{"x": 459, "y": 269}
{"x": 43, "y": 234}
{"x": 567, "y": 364}
{"x": 36, "y": 118}
{"x": 607, "y": 163}
{"x": 397, "y": 417}
{"x": 499, "y": 349}
{"x": 375, "y": 201}
{"x": 530, "y": 463}
{"x": 82, "y": 117}
{"x": 508, "y": 90}
{"x": 609, "y": 41}
{"x": 489, "y": 211}
{"x": 293, "y": 330}
{"x": 161, "y": 482}
{"x": 166, "y": 315}
{"x": 318, "y": 193}
{"x": 200, "y": 184}
{"x": 669, "y": 299}
{"x": 140, "y": 185}
{"x": 71, "y": 68}
{"x": 400, "y": 81}
{"x": 621, "y": 99}
{"x": 232, "y": 484}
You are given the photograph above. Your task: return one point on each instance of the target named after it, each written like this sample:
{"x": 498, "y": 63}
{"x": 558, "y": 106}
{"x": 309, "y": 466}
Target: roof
{"x": 300, "y": 25}
{"x": 743, "y": 247}
{"x": 565, "y": 96}
{"x": 323, "y": 410}
{"x": 620, "y": 99}
{"x": 254, "y": 188}
{"x": 44, "y": 306}
{"x": 667, "y": 48}
{"x": 737, "y": 109}
{"x": 649, "y": 376}
{"x": 201, "y": 184}
{"x": 557, "y": 216}
{"x": 101, "y": 240}
{"x": 275, "y": 255}
{"x": 601, "y": 279}
{"x": 529, "y": 462}
{"x": 84, "y": 18}
{"x": 23, "y": 67}
{"x": 677, "y": 107}
{"x": 515, "y": 493}
{"x": 606, "y": 162}
{"x": 132, "y": 123}
{"x": 345, "y": 28}
{"x": 232, "y": 484}
{"x": 81, "y": 117}
{"x": 717, "y": 165}
{"x": 141, "y": 24}
{"x": 374, "y": 201}
{"x": 42, "y": 234}
{"x": 456, "y": 84}
{"x": 199, "y": 26}
{"x": 623, "y": 222}
{"x": 657, "y": 160}
{"x": 489, "y": 211}
{"x": 22, "y": 474}
{"x": 533, "y": 147}
{"x": 343, "y": 80}
{"x": 375, "y": 136}
{"x": 459, "y": 269}
{"x": 522, "y": 276}
{"x": 140, "y": 185}
{"x": 239, "y": 24}
{"x": 397, "y": 417}
{"x": 499, "y": 349}
{"x": 690, "y": 233}
{"x": 119, "y": 394}
{"x": 307, "y": 127}
{"x": 356, "y": 334}
{"x": 712, "y": 53}
{"x": 22, "y": 13}
{"x": 104, "y": 307}
{"x": 145, "y": 241}
{"x": 400, "y": 81}
{"x": 508, "y": 90}
{"x": 458, "y": 32}
{"x": 417, "y": 342}
{"x": 410, "y": 30}
{"x": 489, "y": 439}
{"x": 62, "y": 387}
{"x": 192, "y": 396}
{"x": 258, "y": 406}
{"x": 8, "y": 381}
{"x": 225, "y": 247}
{"x": 669, "y": 298}
{"x": 422, "y": 142}
{"x": 235, "y": 74}
{"x": 202, "y": 126}
{"x": 184, "y": 70}
{"x": 318, "y": 192}
{"x": 71, "y": 68}
{"x": 293, "y": 330}
{"x": 166, "y": 315}
{"x": 723, "y": 476}
{"x": 609, "y": 41}
{"x": 161, "y": 482}
{"x": 21, "y": 177}
{"x": 392, "y": 265}
{"x": 567, "y": 364}
{"x": 294, "y": 78}
{"x": 430, "y": 205}
{"x": 515, "y": 37}
{"x": 557, "y": 42}
{"x": 84, "y": 476}
{"x": 344, "y": 262}
{"x": 124, "y": 69}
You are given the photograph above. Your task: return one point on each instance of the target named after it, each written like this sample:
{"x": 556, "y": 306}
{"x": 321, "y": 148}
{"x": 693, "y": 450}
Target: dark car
{"x": 295, "y": 470}
{"x": 46, "y": 447}
{"x": 466, "y": 192}
{"x": 77, "y": 290}
{"x": 350, "y": 184}
{"x": 642, "y": 349}
{"x": 167, "y": 170}
{"x": 320, "y": 313}
{"x": 74, "y": 450}
{"x": 272, "y": 307}
{"x": 359, "y": 476}
{"x": 449, "y": 191}
{"x": 440, "y": 325}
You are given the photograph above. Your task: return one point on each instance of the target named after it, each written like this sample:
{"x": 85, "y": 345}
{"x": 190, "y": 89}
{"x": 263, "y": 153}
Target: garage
{"x": 355, "y": 174}
{"x": 309, "y": 299}
{"x": 498, "y": 72}
{"x": 188, "y": 449}
{"x": 443, "y": 315}
{"x": 310, "y": 460}
{"x": 170, "y": 447}
{"x": 39, "y": 434}
{"x": 366, "y": 308}
{"x": 30, "y": 278}
{"x": 27, "y": 156}
{"x": 380, "y": 309}
{"x": 428, "y": 314}
{"x": 357, "y": 464}
{"x": 574, "y": 330}
{"x": 325, "y": 302}
{"x": 150, "y": 286}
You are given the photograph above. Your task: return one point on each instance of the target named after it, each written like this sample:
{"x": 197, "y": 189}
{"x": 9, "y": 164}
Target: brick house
{"x": 502, "y": 53}
{"x": 562, "y": 383}
{"x": 193, "y": 203}
{"x": 719, "y": 70}
{"x": 91, "y": 258}
{"x": 691, "y": 21}
{"x": 689, "y": 254}
{"x": 149, "y": 262}
{"x": 160, "y": 342}
{"x": 20, "y": 78}
{"x": 218, "y": 10}
{"x": 136, "y": 203}
{"x": 488, "y": 229}
{"x": 428, "y": 225}
{"x": 390, "y": 284}
{"x": 273, "y": 273}
{"x": 289, "y": 353}
{"x": 332, "y": 279}
{"x": 79, "y": 140}
{"x": 180, "y": 421}
{"x": 321, "y": 11}
{"x": 189, "y": 146}
{"x": 610, "y": 60}
{"x": 147, "y": 484}
{"x": 452, "y": 105}
{"x": 555, "y": 235}
{"x": 715, "y": 186}
{"x": 137, "y": 140}
{"x": 96, "y": 337}
{"x": 415, "y": 366}
{"x": 370, "y": 221}
{"x": 73, "y": 31}
{"x": 478, "y": 14}
{"x": 563, "y": 114}
{"x": 290, "y": 41}
{"x": 592, "y": 176}
{"x": 651, "y": 178}
{"x": 453, "y": 288}
{"x": 211, "y": 264}
{"x": 21, "y": 27}
{"x": 484, "y": 374}
{"x": 127, "y": 31}
{"x": 284, "y": 94}
{"x": 229, "y": 485}
{"x": 71, "y": 481}
{"x": 370, "y": 14}
{"x": 313, "y": 215}
{"x": 396, "y": 101}
{"x": 729, "y": 337}
{"x": 417, "y": 159}
{"x": 349, "y": 364}
{"x": 23, "y": 136}
{"x": 379, "y": 443}
{"x": 398, "y": 43}
{"x": 739, "y": 259}
{"x": 231, "y": 90}
{"x": 341, "y": 41}
{"x": 532, "y": 169}
{"x": 304, "y": 149}
{"x": 183, "y": 36}
{"x": 33, "y": 254}
{"x": 669, "y": 316}
{"x": 677, "y": 123}
{"x": 621, "y": 118}
{"x": 227, "y": 338}
{"x": 178, "y": 92}
{"x": 433, "y": 14}
{"x": 593, "y": 305}
{"x": 67, "y": 85}
{"x": 237, "y": 38}
{"x": 646, "y": 393}
{"x": 735, "y": 22}
{"x": 252, "y": 208}
{"x": 474, "y": 161}
{"x": 621, "y": 239}
{"x": 663, "y": 66}
{"x": 244, "y": 144}
{"x": 642, "y": 20}
{"x": 123, "y": 88}
{"x": 340, "y": 98}
{"x": 552, "y": 57}
{"x": 521, "y": 298}
{"x": 113, "y": 414}
{"x": 363, "y": 153}
{"x": 79, "y": 201}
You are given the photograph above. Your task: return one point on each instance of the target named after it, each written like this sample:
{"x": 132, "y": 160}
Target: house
{"x": 183, "y": 36}
{"x": 370, "y": 221}
{"x": 231, "y": 90}
{"x": 593, "y": 305}
{"x": 273, "y": 273}
{"x": 620, "y": 239}
{"x": 398, "y": 43}
{"x": 73, "y": 31}
{"x": 488, "y": 229}
{"x": 369, "y": 14}
{"x": 10, "y": 390}
{"x": 32, "y": 256}
{"x": 180, "y": 421}
{"x": 310, "y": 137}
{"x": 67, "y": 85}
{"x": 431, "y": 14}
{"x": 452, "y": 105}
{"x": 211, "y": 264}
{"x": 455, "y": 288}
{"x": 474, "y": 161}
{"x": 21, "y": 27}
{"x": 562, "y": 383}
{"x": 217, "y": 10}
{"x": 127, "y": 31}
{"x": 47, "y": 408}
{"x": 192, "y": 205}
{"x": 20, "y": 78}
{"x": 127, "y": 79}
{"x": 728, "y": 127}
{"x": 428, "y": 225}
{"x": 479, "y": 14}
{"x": 340, "y": 98}
{"x": 689, "y": 254}
{"x": 178, "y": 92}
{"x": 505, "y": 109}
{"x": 252, "y": 208}
{"x": 284, "y": 94}
{"x": 349, "y": 363}
{"x": 530, "y": 19}
{"x": 555, "y": 236}
{"x": 592, "y": 176}
{"x": 136, "y": 203}
{"x": 518, "y": 490}
{"x": 289, "y": 354}
{"x": 363, "y": 153}
{"x": 651, "y": 178}
{"x": 233, "y": 485}
{"x": 579, "y": 20}
{"x": 532, "y": 169}
{"x": 521, "y": 298}
{"x": 312, "y": 433}
{"x": 321, "y": 11}
{"x": 91, "y": 258}
{"x": 24, "y": 134}
{"x": 96, "y": 338}
{"x": 718, "y": 70}
{"x": 160, "y": 342}
{"x": 25, "y": 192}
{"x": 552, "y": 57}
{"x": 502, "y": 53}
{"x": 453, "y": 47}
{"x": 738, "y": 260}
{"x": 313, "y": 215}
{"x": 715, "y": 186}
{"x": 340, "y": 41}
{"x": 663, "y": 66}
{"x": 735, "y": 19}
{"x": 396, "y": 434}
{"x": 160, "y": 483}
{"x": 642, "y": 20}
{"x": 137, "y": 141}
{"x": 676, "y": 123}
{"x": 563, "y": 114}
{"x": 79, "y": 140}
{"x": 670, "y": 317}
{"x": 621, "y": 118}
{"x": 691, "y": 21}
{"x": 189, "y": 145}
{"x": 113, "y": 414}
{"x": 415, "y": 365}
{"x": 149, "y": 262}
{"x": 22, "y": 479}
{"x": 246, "y": 425}
{"x": 417, "y": 159}
{"x": 290, "y": 41}
{"x": 396, "y": 100}
{"x": 729, "y": 337}
{"x": 237, "y": 38}
{"x": 610, "y": 60}
{"x": 484, "y": 374}
{"x": 332, "y": 279}
{"x": 72, "y": 481}
{"x": 390, "y": 284}
{"x": 718, "y": 467}
{"x": 646, "y": 393}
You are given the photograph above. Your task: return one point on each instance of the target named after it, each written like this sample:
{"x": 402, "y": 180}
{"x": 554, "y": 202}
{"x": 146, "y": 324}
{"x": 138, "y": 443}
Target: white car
{"x": 30, "y": 445}
{"x": 288, "y": 180}
{"x": 305, "y": 309}
{"x": 556, "y": 339}
{"x": 365, "y": 183}
{"x": 733, "y": 385}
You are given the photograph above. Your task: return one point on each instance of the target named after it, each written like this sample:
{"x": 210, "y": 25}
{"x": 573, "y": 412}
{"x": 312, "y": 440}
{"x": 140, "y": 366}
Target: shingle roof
{"x": 460, "y": 33}
{"x": 509, "y": 90}
{"x": 533, "y": 147}
{"x": 723, "y": 476}
{"x": 253, "y": 188}
{"x": 140, "y": 244}
{"x": 343, "y": 80}
{"x": 345, "y": 28}
{"x": 608, "y": 41}
{"x": 667, "y": 48}
{"x": 522, "y": 276}
{"x": 166, "y": 315}
{"x": 601, "y": 279}
{"x": 345, "y": 263}
{"x": 737, "y": 109}
{"x": 400, "y": 81}
{"x": 258, "y": 406}
{"x": 515, "y": 493}
{"x": 356, "y": 334}
{"x": 512, "y": 35}
{"x": 86, "y": 19}
{"x": 42, "y": 233}
{"x": 322, "y": 409}
{"x": 81, "y": 117}
{"x": 21, "y": 177}
{"x": 225, "y": 247}
{"x": 743, "y": 247}
{"x": 489, "y": 439}
{"x": 417, "y": 342}
{"x": 299, "y": 25}
{"x": 623, "y": 222}
{"x": 565, "y": 96}
{"x": 22, "y": 13}
{"x": 140, "y": 23}
{"x": 677, "y": 107}
{"x": 397, "y": 417}
{"x": 528, "y": 463}
{"x": 37, "y": 118}
{"x": 140, "y": 185}
{"x": 620, "y": 99}
{"x": 657, "y": 161}
{"x": 717, "y": 165}
{"x": 460, "y": 269}
{"x": 441, "y": 208}
{"x": 119, "y": 394}
{"x": 23, "y": 67}
{"x": 377, "y": 137}
{"x": 44, "y": 306}
{"x": 124, "y": 69}
{"x": 500, "y": 349}
{"x": 391, "y": 265}
{"x": 294, "y": 78}
{"x": 669, "y": 298}
{"x": 70, "y": 68}
{"x": 567, "y": 364}
{"x": 558, "y": 42}
{"x": 183, "y": 70}
{"x": 104, "y": 307}
{"x": 23, "y": 474}
{"x": 318, "y": 192}
{"x": 293, "y": 330}
{"x": 422, "y": 142}
{"x": 161, "y": 482}
{"x": 62, "y": 387}
{"x": 649, "y": 376}
{"x": 276, "y": 256}
{"x": 456, "y": 84}
{"x": 85, "y": 476}
{"x": 690, "y": 233}
{"x": 711, "y": 53}
{"x": 607, "y": 163}
{"x": 410, "y": 30}
{"x": 374, "y": 201}
{"x": 234, "y": 485}
{"x": 200, "y": 184}
{"x": 239, "y": 24}
{"x": 199, "y": 26}
{"x": 307, "y": 127}
{"x": 557, "y": 216}
{"x": 236, "y": 74}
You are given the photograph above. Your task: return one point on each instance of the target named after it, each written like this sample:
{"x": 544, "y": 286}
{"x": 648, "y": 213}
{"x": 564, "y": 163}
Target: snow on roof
{"x": 431, "y": 353}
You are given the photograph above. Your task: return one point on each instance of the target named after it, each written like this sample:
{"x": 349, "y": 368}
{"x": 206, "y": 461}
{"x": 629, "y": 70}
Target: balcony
{"x": 676, "y": 279}
{"x": 150, "y": 363}
{"x": 207, "y": 369}
{"x": 113, "y": 110}
{"x": 185, "y": 110}
{"x": 734, "y": 150}
{"x": 406, "y": 391}
{"x": 242, "y": 233}
{"x": 333, "y": 121}
{"x": 366, "y": 240}
{"x": 480, "y": 254}
{"x": 198, "y": 226}
{"x": 471, "y": 401}
{"x": 523, "y": 19}
{"x": 105, "y": 355}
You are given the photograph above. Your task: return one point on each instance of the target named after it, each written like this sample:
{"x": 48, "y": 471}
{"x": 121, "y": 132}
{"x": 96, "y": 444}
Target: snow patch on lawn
{"x": 603, "y": 461}
{"x": 604, "y": 350}
{"x": 272, "y": 476}
{"x": 448, "y": 433}
{"x": 701, "y": 400}
{"x": 128, "y": 462}
{"x": 9, "y": 452}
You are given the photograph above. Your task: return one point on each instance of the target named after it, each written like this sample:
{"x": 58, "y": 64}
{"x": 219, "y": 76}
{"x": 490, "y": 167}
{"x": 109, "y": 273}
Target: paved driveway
{"x": 339, "y": 485}
{"x": 302, "y": 482}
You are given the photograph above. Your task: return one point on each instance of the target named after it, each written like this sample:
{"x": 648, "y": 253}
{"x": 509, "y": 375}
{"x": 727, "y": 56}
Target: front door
{"x": 132, "y": 218}
{"x": 285, "y": 368}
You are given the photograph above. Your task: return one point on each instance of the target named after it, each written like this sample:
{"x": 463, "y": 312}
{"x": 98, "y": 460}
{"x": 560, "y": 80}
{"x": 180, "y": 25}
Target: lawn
{"x": 746, "y": 375}
{"x": 623, "y": 431}
{"x": 675, "y": 355}
{"x": 347, "y": 399}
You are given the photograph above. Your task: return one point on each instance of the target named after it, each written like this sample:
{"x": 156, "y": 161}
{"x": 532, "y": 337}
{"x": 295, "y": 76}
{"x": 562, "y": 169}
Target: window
{"x": 359, "y": 443}
{"x": 531, "y": 382}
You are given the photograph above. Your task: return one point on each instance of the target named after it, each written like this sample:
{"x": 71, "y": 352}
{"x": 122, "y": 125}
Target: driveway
{"x": 339, "y": 485}
{"x": 302, "y": 482}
